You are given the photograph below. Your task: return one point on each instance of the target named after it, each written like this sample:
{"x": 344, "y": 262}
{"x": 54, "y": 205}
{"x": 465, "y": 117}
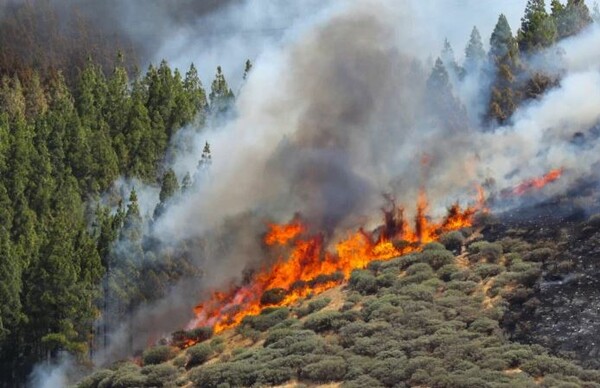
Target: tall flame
{"x": 311, "y": 269}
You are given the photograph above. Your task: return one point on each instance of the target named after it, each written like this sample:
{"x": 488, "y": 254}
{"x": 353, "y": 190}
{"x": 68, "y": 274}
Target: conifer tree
{"x": 538, "y": 29}
{"x": 445, "y": 106}
{"x": 474, "y": 52}
{"x": 572, "y": 18}
{"x": 221, "y": 96}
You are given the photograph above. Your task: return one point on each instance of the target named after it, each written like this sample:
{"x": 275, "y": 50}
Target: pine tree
{"x": 221, "y": 96}
{"x": 474, "y": 52}
{"x": 572, "y": 18}
{"x": 504, "y": 54}
{"x": 186, "y": 182}
{"x": 449, "y": 60}
{"x": 10, "y": 286}
{"x": 203, "y": 164}
{"x": 538, "y": 29}
{"x": 445, "y": 106}
{"x": 168, "y": 188}
{"x": 596, "y": 12}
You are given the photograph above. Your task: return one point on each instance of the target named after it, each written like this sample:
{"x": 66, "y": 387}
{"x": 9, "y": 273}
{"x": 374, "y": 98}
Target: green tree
{"x": 572, "y": 18}
{"x": 446, "y": 108}
{"x": 221, "y": 96}
{"x": 247, "y": 69}
{"x": 169, "y": 187}
{"x": 596, "y": 12}
{"x": 504, "y": 55}
{"x": 538, "y": 28}
{"x": 474, "y": 52}
{"x": 196, "y": 95}
{"x": 10, "y": 286}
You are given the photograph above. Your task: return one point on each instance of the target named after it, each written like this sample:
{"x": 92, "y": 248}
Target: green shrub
{"x": 484, "y": 325}
{"x": 312, "y": 307}
{"x": 417, "y": 292}
{"x": 539, "y": 255}
{"x": 390, "y": 372}
{"x": 437, "y": 258}
{"x": 453, "y": 241}
{"x": 267, "y": 318}
{"x": 363, "y": 281}
{"x": 127, "y": 376}
{"x": 543, "y": 364}
{"x": 468, "y": 287}
{"x": 324, "y": 371}
{"x": 445, "y": 273}
{"x": 199, "y": 354}
{"x": 386, "y": 279}
{"x": 236, "y": 374}
{"x": 273, "y": 374}
{"x": 486, "y": 250}
{"x": 93, "y": 380}
{"x": 420, "y": 268}
{"x": 488, "y": 270}
{"x": 159, "y": 375}
{"x": 159, "y": 354}
{"x": 323, "y": 321}
{"x": 434, "y": 246}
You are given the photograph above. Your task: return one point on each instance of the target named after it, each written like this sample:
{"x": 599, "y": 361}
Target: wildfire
{"x": 310, "y": 268}
{"x": 537, "y": 183}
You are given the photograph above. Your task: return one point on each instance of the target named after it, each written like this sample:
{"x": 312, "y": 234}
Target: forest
{"x": 73, "y": 123}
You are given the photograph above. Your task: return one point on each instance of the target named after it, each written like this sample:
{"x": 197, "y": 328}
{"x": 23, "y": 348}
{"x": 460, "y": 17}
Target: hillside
{"x": 436, "y": 318}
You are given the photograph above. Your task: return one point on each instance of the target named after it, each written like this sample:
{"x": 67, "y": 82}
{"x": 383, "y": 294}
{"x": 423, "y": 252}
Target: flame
{"x": 537, "y": 183}
{"x": 310, "y": 268}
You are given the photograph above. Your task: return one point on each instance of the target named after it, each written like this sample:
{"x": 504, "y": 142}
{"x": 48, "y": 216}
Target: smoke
{"x": 334, "y": 114}
{"x": 52, "y": 375}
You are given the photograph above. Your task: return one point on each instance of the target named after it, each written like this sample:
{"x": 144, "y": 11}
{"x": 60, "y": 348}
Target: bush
{"x": 159, "y": 375}
{"x": 453, "y": 241}
{"x": 419, "y": 268}
{"x": 236, "y": 374}
{"x": 468, "y": 287}
{"x": 539, "y": 255}
{"x": 543, "y": 364}
{"x": 362, "y": 382}
{"x": 312, "y": 307}
{"x": 488, "y": 270}
{"x": 127, "y": 376}
{"x": 93, "y": 380}
{"x": 363, "y": 281}
{"x": 199, "y": 334}
{"x": 390, "y": 372}
{"x": 323, "y": 321}
{"x": 489, "y": 251}
{"x": 434, "y": 246}
{"x": 437, "y": 258}
{"x": 159, "y": 354}
{"x": 445, "y": 273}
{"x": 484, "y": 325}
{"x": 199, "y": 354}
{"x": 273, "y": 296}
{"x": 326, "y": 370}
{"x": 267, "y": 318}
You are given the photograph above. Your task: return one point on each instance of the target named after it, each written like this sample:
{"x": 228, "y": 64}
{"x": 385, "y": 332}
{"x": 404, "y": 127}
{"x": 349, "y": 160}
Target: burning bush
{"x": 183, "y": 338}
{"x": 273, "y": 296}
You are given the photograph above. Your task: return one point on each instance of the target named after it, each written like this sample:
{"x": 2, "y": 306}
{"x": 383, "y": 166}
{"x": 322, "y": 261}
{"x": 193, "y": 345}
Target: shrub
{"x": 93, "y": 380}
{"x": 273, "y": 296}
{"x": 484, "y": 325}
{"x": 159, "y": 354}
{"x": 127, "y": 376}
{"x": 468, "y": 287}
{"x": 386, "y": 279}
{"x": 445, "y": 273}
{"x": 199, "y": 354}
{"x": 419, "y": 268}
{"x": 453, "y": 241}
{"x": 390, "y": 372}
{"x": 437, "y": 258}
{"x": 199, "y": 334}
{"x": 434, "y": 246}
{"x": 363, "y": 281}
{"x": 312, "y": 307}
{"x": 488, "y": 270}
{"x": 326, "y": 370}
{"x": 237, "y": 374}
{"x": 417, "y": 292}
{"x": 159, "y": 375}
{"x": 539, "y": 255}
{"x": 268, "y": 318}
{"x": 323, "y": 321}
{"x": 543, "y": 364}
{"x": 273, "y": 374}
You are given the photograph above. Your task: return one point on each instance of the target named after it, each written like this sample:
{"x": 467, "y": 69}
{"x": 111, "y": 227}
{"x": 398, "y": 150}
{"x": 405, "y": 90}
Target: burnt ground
{"x": 562, "y": 310}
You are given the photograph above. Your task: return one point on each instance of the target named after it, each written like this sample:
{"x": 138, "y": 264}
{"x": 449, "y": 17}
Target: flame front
{"x": 310, "y": 268}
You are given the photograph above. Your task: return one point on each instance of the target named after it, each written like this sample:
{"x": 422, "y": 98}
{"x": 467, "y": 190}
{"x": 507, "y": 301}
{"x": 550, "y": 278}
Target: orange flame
{"x": 537, "y": 183}
{"x": 310, "y": 269}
